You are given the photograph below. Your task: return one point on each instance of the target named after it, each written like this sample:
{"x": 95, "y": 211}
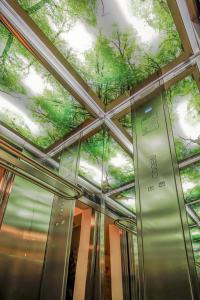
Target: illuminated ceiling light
{"x": 146, "y": 33}
{"x": 93, "y": 171}
{"x": 7, "y": 106}
{"x": 79, "y": 39}
{"x": 119, "y": 161}
{"x": 35, "y": 82}
{"x": 188, "y": 122}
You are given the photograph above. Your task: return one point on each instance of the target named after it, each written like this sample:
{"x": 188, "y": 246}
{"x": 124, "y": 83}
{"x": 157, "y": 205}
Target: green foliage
{"x": 186, "y": 87}
{"x": 99, "y": 150}
{"x": 54, "y": 110}
{"x": 127, "y": 122}
{"x": 118, "y": 61}
{"x": 126, "y": 198}
{"x": 191, "y": 175}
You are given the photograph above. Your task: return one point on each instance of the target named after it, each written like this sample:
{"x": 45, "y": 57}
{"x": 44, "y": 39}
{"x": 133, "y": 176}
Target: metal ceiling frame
{"x": 50, "y": 56}
{"x": 58, "y": 66}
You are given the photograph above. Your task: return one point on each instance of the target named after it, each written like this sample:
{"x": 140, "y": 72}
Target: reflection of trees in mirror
{"x": 32, "y": 102}
{"x": 126, "y": 198}
{"x": 196, "y": 249}
{"x": 113, "y": 45}
{"x": 190, "y": 178}
{"x": 127, "y": 123}
{"x": 104, "y": 162}
{"x": 184, "y": 105}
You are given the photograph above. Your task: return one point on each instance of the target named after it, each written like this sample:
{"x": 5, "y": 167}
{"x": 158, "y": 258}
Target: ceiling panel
{"x": 126, "y": 122}
{"x": 112, "y": 44}
{"x": 184, "y": 105}
{"x": 32, "y": 102}
{"x": 190, "y": 178}
{"x": 104, "y": 163}
{"x": 195, "y": 233}
{"x": 126, "y": 198}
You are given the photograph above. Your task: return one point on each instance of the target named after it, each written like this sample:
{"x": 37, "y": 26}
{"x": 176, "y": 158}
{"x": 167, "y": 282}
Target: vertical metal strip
{"x": 125, "y": 267}
{"x": 133, "y": 265}
{"x": 55, "y": 270}
{"x": 141, "y": 282}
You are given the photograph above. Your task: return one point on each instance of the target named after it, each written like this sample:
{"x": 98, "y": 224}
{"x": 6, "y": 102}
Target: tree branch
{"x": 7, "y": 47}
{"x": 33, "y": 9}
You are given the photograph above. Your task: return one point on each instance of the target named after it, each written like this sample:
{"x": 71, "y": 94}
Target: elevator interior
{"x": 93, "y": 95}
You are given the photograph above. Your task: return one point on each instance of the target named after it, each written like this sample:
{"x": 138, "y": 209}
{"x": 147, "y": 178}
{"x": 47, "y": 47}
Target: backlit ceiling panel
{"x": 126, "y": 198}
{"x": 126, "y": 122}
{"x": 104, "y": 163}
{"x": 190, "y": 178}
{"x": 183, "y": 100}
{"x": 32, "y": 102}
{"x": 184, "y": 105}
{"x": 113, "y": 44}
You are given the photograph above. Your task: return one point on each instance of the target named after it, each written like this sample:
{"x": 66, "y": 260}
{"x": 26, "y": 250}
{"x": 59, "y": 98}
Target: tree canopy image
{"x": 190, "y": 178}
{"x": 126, "y": 198}
{"x": 32, "y": 102}
{"x": 114, "y": 45}
{"x": 127, "y": 123}
{"x": 184, "y": 105}
{"x": 104, "y": 163}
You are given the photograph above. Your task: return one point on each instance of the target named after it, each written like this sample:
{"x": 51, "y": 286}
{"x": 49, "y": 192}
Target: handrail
{"x": 24, "y": 166}
{"x": 123, "y": 226}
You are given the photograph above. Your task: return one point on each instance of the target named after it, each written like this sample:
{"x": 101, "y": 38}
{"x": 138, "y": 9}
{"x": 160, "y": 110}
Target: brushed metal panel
{"x": 23, "y": 237}
{"x": 54, "y": 280}
{"x": 163, "y": 254}
{"x": 58, "y": 249}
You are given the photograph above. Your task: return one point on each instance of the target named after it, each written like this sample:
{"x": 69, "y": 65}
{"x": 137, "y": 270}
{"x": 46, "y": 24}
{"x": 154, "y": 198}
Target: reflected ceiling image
{"x": 104, "y": 162}
{"x": 184, "y": 104}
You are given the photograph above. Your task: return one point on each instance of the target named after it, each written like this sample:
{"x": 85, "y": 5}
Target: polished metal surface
{"x": 23, "y": 237}
{"x": 22, "y": 165}
{"x": 96, "y": 262}
{"x": 54, "y": 280}
{"x": 166, "y": 271}
{"x": 127, "y": 224}
{"x": 6, "y": 182}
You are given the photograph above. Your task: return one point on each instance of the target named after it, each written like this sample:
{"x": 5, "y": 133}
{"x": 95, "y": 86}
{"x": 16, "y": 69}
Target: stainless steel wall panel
{"x": 23, "y": 237}
{"x": 54, "y": 281}
{"x": 165, "y": 270}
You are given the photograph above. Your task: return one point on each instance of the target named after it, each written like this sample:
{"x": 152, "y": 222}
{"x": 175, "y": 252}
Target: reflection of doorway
{"x": 73, "y": 256}
{"x": 78, "y": 261}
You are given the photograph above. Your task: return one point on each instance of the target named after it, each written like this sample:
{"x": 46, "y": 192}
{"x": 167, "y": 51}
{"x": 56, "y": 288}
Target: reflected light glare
{"x": 93, "y": 171}
{"x": 35, "y": 82}
{"x": 146, "y": 33}
{"x": 5, "y": 105}
{"x": 79, "y": 39}
{"x": 129, "y": 202}
{"x": 119, "y": 160}
{"x": 190, "y": 130}
{"x": 188, "y": 185}
{"x": 195, "y": 232}
{"x": 25, "y": 213}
